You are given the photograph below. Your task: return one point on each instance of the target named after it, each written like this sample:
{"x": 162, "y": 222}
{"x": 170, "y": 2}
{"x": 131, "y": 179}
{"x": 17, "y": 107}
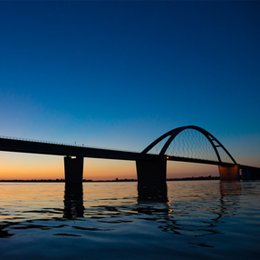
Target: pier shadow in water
{"x": 230, "y": 191}
{"x": 230, "y": 188}
{"x": 152, "y": 192}
{"x": 73, "y": 200}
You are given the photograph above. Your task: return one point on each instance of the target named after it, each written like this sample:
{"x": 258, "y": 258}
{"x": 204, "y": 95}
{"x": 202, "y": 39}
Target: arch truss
{"x": 190, "y": 142}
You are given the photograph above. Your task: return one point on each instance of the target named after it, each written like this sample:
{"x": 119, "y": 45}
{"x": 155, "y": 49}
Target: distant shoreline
{"x": 121, "y": 180}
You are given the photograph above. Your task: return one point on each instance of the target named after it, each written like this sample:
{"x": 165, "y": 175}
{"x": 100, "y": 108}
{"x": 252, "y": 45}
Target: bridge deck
{"x": 22, "y": 146}
{"x": 34, "y": 147}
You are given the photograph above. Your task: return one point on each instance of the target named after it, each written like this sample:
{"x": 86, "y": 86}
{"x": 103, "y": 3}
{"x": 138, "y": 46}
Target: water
{"x": 200, "y": 220}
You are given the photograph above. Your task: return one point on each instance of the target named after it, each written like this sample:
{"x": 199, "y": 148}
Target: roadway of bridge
{"x": 35, "y": 147}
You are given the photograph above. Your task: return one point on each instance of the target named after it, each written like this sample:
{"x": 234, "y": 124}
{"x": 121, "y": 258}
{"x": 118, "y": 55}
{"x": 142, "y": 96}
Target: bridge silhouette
{"x": 151, "y": 163}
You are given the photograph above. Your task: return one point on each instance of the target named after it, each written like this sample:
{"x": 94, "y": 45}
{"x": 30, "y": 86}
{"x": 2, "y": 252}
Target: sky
{"x": 119, "y": 74}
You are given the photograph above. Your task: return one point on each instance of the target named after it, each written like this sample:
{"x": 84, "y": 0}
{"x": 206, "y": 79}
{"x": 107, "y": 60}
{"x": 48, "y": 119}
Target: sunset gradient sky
{"x": 118, "y": 74}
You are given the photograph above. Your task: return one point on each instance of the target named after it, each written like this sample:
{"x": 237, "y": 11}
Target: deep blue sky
{"x": 119, "y": 74}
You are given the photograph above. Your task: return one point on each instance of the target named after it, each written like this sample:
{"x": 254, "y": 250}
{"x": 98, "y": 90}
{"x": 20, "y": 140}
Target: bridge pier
{"x": 73, "y": 169}
{"x": 151, "y": 176}
{"x": 229, "y": 172}
{"x": 250, "y": 173}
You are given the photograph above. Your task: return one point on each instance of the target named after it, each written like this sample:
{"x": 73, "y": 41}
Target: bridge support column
{"x": 229, "y": 172}
{"x": 250, "y": 173}
{"x": 73, "y": 169}
{"x": 151, "y": 175}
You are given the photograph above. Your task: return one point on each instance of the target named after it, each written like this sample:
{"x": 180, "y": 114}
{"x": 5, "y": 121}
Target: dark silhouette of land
{"x": 118, "y": 180}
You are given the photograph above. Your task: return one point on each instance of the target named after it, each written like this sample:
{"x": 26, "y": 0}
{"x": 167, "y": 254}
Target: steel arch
{"x": 173, "y": 133}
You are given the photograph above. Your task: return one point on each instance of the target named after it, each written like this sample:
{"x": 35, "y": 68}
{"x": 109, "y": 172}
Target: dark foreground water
{"x": 201, "y": 220}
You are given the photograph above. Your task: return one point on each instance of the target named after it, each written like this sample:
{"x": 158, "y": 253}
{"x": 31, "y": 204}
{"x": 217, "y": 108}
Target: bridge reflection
{"x": 73, "y": 197}
{"x": 230, "y": 188}
{"x": 152, "y": 192}
{"x": 73, "y": 200}
{"x": 190, "y": 209}
{"x": 226, "y": 204}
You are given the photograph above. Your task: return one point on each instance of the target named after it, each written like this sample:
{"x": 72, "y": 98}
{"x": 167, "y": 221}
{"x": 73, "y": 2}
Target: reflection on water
{"x": 152, "y": 192}
{"x": 230, "y": 188}
{"x": 130, "y": 222}
{"x": 73, "y": 200}
{"x": 4, "y": 233}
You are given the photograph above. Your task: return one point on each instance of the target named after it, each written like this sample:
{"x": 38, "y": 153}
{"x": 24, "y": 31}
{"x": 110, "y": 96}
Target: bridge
{"x": 186, "y": 144}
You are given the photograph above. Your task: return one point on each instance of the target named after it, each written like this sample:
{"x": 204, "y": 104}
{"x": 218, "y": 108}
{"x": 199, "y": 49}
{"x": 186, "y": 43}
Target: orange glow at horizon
{"x": 184, "y": 169}
{"x": 30, "y": 166}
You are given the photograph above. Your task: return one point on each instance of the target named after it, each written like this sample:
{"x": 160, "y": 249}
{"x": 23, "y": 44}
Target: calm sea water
{"x": 200, "y": 220}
